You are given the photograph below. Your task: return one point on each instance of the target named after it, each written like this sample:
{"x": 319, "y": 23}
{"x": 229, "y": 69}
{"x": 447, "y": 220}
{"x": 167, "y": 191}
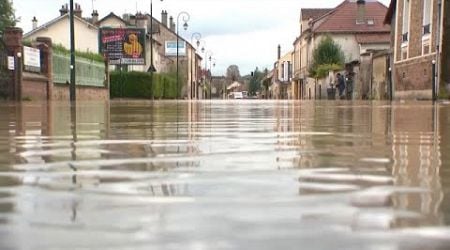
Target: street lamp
{"x": 152, "y": 66}
{"x": 208, "y": 55}
{"x": 185, "y": 16}
{"x": 196, "y": 36}
{"x": 210, "y": 79}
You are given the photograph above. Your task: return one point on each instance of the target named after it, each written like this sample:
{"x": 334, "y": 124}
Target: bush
{"x": 139, "y": 85}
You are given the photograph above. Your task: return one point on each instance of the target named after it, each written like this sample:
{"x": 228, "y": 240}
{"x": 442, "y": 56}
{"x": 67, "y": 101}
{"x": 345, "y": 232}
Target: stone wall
{"x": 414, "y": 76}
{"x": 34, "y": 87}
{"x": 61, "y": 93}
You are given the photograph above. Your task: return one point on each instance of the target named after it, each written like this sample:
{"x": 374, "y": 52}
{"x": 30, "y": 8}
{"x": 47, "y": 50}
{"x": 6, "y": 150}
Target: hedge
{"x": 139, "y": 85}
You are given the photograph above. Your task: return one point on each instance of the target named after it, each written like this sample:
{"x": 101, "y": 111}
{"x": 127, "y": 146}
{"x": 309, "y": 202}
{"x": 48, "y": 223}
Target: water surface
{"x": 225, "y": 175}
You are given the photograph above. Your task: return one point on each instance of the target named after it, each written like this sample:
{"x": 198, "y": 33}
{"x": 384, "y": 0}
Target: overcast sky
{"x": 241, "y": 32}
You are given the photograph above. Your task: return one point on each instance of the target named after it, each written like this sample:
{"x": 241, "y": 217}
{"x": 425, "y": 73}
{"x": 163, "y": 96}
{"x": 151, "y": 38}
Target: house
{"x": 58, "y": 30}
{"x": 356, "y": 25}
{"x": 282, "y": 78}
{"x": 161, "y": 33}
{"x": 418, "y": 53}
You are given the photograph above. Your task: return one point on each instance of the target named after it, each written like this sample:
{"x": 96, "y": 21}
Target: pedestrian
{"x": 340, "y": 84}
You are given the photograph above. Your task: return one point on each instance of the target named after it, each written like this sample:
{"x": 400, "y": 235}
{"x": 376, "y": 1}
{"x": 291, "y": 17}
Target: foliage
{"x": 326, "y": 57}
{"x": 255, "y": 81}
{"x": 139, "y": 85}
{"x": 233, "y": 73}
{"x": 87, "y": 55}
{"x": 7, "y": 16}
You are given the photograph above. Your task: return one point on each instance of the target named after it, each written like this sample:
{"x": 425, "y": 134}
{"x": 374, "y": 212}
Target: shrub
{"x": 139, "y": 85}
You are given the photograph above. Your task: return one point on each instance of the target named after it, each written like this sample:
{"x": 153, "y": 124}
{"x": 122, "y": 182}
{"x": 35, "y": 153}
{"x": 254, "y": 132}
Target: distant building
{"x": 282, "y": 76}
{"x": 356, "y": 25}
{"x": 417, "y": 41}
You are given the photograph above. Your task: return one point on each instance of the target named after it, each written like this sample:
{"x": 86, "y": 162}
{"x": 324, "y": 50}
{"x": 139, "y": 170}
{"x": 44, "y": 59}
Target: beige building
{"x": 86, "y": 34}
{"x": 356, "y": 25}
{"x": 281, "y": 83}
{"x": 164, "y": 31}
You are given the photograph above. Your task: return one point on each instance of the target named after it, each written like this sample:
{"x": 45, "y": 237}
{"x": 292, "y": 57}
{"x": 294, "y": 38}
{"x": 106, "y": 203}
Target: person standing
{"x": 340, "y": 84}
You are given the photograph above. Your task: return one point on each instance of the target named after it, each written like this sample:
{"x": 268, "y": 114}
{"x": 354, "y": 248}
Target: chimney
{"x": 35, "y": 23}
{"x": 279, "y": 52}
{"x": 94, "y": 17}
{"x": 141, "y": 21}
{"x": 164, "y": 17}
{"x": 172, "y": 24}
{"x": 361, "y": 19}
{"x": 64, "y": 10}
{"x": 77, "y": 11}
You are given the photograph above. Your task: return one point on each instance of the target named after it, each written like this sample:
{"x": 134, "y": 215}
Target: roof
{"x": 372, "y": 38}
{"x": 307, "y": 14}
{"x": 112, "y": 15}
{"x": 391, "y": 12}
{"x": 343, "y": 19}
{"x": 56, "y": 20}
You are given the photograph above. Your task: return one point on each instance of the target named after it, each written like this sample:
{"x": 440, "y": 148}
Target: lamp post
{"x": 208, "y": 55}
{"x": 210, "y": 79}
{"x": 185, "y": 16}
{"x": 72, "y": 55}
{"x": 152, "y": 68}
{"x": 196, "y": 36}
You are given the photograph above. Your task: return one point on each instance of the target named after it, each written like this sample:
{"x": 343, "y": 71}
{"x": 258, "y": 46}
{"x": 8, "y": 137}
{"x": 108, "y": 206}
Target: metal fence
{"x": 88, "y": 72}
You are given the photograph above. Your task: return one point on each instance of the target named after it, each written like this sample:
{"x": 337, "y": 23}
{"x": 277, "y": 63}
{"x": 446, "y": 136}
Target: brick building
{"x": 356, "y": 25}
{"x": 417, "y": 44}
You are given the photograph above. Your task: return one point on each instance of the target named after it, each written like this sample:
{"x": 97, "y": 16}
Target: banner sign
{"x": 171, "y": 48}
{"x": 32, "y": 59}
{"x": 123, "y": 46}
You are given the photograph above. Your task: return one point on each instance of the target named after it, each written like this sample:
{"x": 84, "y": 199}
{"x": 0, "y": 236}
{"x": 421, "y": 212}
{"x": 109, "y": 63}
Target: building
{"x": 356, "y": 25}
{"x": 57, "y": 30}
{"x": 417, "y": 41}
{"x": 161, "y": 32}
{"x": 282, "y": 77}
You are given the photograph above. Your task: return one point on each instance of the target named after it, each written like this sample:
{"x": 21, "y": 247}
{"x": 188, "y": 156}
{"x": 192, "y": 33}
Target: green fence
{"x": 88, "y": 72}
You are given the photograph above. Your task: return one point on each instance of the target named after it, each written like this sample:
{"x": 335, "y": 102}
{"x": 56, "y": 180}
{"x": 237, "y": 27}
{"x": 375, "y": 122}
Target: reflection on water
{"x": 224, "y": 175}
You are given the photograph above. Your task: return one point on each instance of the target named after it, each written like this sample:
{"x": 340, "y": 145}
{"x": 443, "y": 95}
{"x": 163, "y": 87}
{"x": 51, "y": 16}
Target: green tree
{"x": 255, "y": 81}
{"x": 7, "y": 16}
{"x": 328, "y": 56}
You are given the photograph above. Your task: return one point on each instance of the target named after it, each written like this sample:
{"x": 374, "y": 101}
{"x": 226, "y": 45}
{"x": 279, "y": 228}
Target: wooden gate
{"x": 6, "y": 85}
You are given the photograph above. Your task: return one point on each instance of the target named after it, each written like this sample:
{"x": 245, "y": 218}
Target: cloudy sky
{"x": 241, "y": 32}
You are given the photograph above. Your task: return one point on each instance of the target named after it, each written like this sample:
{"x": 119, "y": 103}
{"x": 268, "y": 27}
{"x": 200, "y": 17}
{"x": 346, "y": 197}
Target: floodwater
{"x": 225, "y": 175}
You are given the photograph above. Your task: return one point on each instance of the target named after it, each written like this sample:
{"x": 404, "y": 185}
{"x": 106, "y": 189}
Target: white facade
{"x": 86, "y": 34}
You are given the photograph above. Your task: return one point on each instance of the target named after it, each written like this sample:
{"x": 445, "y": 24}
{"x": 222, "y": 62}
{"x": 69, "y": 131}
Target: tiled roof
{"x": 391, "y": 12}
{"x": 372, "y": 38}
{"x": 343, "y": 19}
{"x": 306, "y": 14}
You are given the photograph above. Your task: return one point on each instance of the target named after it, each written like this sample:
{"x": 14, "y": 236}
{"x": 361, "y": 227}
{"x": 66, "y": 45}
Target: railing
{"x": 88, "y": 72}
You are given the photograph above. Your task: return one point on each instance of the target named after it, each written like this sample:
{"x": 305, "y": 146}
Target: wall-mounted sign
{"x": 123, "y": 46}
{"x": 11, "y": 64}
{"x": 171, "y": 48}
{"x": 32, "y": 59}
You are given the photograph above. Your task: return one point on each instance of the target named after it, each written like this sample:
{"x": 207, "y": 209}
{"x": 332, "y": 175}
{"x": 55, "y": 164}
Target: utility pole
{"x": 72, "y": 55}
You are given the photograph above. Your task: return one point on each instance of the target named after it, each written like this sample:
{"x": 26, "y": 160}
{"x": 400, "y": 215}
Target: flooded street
{"x": 225, "y": 175}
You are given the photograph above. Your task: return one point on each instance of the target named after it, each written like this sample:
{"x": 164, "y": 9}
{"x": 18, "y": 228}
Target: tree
{"x": 233, "y": 73}
{"x": 328, "y": 56}
{"x": 255, "y": 81}
{"x": 7, "y": 16}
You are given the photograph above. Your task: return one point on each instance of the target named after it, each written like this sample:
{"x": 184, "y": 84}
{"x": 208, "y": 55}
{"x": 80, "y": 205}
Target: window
{"x": 370, "y": 22}
{"x": 426, "y": 49}
{"x": 405, "y": 29}
{"x": 426, "y": 17}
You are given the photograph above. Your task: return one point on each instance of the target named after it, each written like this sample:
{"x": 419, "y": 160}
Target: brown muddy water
{"x": 225, "y": 175}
